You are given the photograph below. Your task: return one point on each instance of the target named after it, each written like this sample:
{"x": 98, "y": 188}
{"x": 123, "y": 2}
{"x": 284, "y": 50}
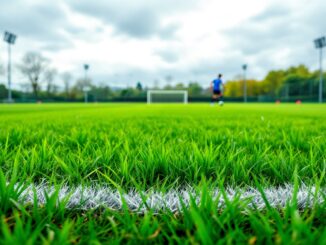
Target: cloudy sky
{"x": 148, "y": 40}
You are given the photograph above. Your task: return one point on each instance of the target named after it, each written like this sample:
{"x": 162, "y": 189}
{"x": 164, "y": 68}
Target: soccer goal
{"x": 167, "y": 96}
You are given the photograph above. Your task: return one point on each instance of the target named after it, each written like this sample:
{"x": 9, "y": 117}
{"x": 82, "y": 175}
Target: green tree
{"x": 233, "y": 89}
{"x": 194, "y": 89}
{"x": 102, "y": 92}
{"x": 168, "y": 87}
{"x": 3, "y": 91}
{"x": 300, "y": 70}
{"x": 139, "y": 86}
{"x": 273, "y": 82}
{"x": 179, "y": 86}
{"x": 298, "y": 81}
{"x": 128, "y": 92}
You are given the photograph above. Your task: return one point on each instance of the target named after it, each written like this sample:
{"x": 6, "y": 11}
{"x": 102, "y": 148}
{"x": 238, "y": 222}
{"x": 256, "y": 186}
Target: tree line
{"x": 295, "y": 82}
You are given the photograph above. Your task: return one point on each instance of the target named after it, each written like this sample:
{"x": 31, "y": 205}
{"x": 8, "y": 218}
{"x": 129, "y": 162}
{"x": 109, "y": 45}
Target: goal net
{"x": 167, "y": 96}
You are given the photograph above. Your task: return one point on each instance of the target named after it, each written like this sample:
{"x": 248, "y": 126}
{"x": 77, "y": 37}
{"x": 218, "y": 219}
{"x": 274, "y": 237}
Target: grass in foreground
{"x": 162, "y": 147}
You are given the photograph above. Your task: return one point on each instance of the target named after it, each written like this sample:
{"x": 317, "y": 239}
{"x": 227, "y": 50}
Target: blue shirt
{"x": 217, "y": 83}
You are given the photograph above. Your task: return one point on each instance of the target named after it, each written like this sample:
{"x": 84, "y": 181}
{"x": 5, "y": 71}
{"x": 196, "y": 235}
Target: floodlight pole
{"x": 86, "y": 67}
{"x": 244, "y": 67}
{"x": 321, "y": 76}
{"x": 86, "y": 96}
{"x": 9, "y": 74}
{"x": 9, "y": 38}
{"x": 320, "y": 43}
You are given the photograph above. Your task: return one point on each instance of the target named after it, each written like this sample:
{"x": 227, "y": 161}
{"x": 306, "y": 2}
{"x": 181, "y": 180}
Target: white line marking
{"x": 85, "y": 198}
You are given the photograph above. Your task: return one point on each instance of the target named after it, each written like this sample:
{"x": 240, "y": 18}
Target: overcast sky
{"x": 126, "y": 41}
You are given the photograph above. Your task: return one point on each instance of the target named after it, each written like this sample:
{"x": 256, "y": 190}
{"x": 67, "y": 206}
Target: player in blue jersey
{"x": 217, "y": 88}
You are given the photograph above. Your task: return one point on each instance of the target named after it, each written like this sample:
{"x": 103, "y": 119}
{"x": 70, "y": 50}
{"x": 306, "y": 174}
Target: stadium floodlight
{"x": 86, "y": 89}
{"x": 320, "y": 43}
{"x": 9, "y": 38}
{"x": 167, "y": 96}
{"x": 244, "y": 67}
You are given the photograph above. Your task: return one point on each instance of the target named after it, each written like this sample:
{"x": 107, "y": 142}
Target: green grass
{"x": 162, "y": 147}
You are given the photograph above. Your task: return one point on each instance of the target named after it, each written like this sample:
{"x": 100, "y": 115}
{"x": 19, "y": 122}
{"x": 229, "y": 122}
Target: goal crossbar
{"x": 151, "y": 92}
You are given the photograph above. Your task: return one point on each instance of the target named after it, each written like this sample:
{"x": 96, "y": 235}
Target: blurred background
{"x": 118, "y": 50}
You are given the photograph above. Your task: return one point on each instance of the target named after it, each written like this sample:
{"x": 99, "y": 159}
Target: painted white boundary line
{"x": 85, "y": 198}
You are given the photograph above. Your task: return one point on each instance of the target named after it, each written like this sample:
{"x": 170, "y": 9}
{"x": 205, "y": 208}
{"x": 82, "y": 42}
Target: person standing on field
{"x": 217, "y": 87}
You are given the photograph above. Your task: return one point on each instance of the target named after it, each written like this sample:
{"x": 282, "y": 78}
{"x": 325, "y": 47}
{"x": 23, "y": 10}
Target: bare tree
{"x": 49, "y": 76}
{"x": 66, "y": 78}
{"x": 34, "y": 66}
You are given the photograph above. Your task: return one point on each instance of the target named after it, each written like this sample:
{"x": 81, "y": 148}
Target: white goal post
{"x": 167, "y": 93}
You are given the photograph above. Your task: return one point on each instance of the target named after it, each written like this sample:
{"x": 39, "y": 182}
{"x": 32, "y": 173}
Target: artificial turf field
{"x": 137, "y": 148}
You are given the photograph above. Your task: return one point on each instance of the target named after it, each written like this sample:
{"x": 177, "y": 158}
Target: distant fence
{"x": 191, "y": 99}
